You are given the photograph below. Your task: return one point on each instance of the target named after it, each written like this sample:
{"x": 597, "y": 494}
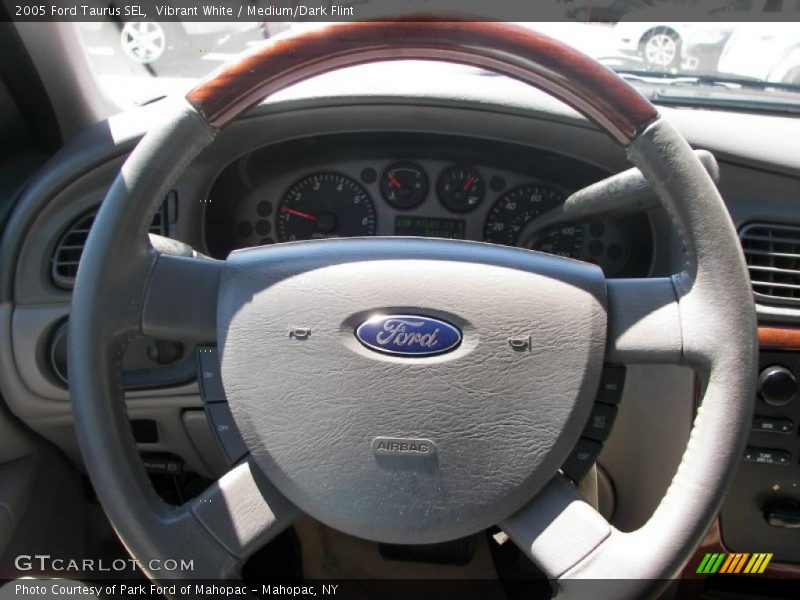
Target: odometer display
{"x": 325, "y": 205}
{"x": 451, "y": 229}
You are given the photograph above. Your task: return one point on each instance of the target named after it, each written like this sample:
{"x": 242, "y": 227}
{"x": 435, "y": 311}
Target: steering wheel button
{"x": 208, "y": 374}
{"x": 226, "y": 432}
{"x": 773, "y": 425}
{"x": 612, "y": 383}
{"x": 767, "y": 456}
{"x": 582, "y": 459}
{"x": 600, "y": 421}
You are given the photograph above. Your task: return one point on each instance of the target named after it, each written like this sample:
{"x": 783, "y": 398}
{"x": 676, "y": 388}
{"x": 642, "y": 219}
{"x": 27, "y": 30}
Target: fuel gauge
{"x": 460, "y": 188}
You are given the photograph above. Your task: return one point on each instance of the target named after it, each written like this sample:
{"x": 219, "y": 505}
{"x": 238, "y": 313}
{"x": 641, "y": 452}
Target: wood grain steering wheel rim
{"x": 680, "y": 319}
{"x": 560, "y": 70}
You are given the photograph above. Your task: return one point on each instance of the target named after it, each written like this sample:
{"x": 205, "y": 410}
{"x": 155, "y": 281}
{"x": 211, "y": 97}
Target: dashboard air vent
{"x": 68, "y": 251}
{"x": 772, "y": 253}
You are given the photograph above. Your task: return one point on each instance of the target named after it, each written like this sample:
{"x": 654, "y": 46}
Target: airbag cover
{"x": 409, "y": 448}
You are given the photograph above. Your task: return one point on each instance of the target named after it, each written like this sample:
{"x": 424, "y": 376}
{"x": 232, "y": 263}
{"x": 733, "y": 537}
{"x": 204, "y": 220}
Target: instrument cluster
{"x": 333, "y": 195}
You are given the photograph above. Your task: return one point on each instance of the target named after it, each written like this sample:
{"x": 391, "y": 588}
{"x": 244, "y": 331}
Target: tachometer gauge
{"x": 404, "y": 184}
{"x": 460, "y": 188}
{"x": 325, "y": 205}
{"x": 513, "y": 210}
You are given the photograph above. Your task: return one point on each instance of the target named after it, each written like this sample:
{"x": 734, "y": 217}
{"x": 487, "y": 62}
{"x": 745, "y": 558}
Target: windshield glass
{"x": 714, "y": 62}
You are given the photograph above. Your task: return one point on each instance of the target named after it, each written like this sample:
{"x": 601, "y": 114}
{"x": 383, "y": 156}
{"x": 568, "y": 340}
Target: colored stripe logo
{"x": 742, "y": 563}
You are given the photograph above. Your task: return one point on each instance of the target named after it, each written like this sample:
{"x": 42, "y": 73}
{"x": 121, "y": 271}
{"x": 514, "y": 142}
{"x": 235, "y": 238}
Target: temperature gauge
{"x": 404, "y": 184}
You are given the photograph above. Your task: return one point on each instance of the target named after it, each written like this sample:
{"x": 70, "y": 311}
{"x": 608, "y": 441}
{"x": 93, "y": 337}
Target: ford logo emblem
{"x": 408, "y": 335}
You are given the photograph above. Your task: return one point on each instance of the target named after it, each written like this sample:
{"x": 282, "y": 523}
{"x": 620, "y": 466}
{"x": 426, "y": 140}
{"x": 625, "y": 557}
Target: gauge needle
{"x": 298, "y": 213}
{"x": 394, "y": 181}
{"x": 469, "y": 183}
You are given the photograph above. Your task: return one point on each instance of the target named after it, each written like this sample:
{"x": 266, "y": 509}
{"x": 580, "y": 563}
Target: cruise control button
{"x": 773, "y": 425}
{"x": 767, "y": 456}
{"x": 600, "y": 422}
{"x": 226, "y": 431}
{"x": 582, "y": 459}
{"x": 612, "y": 383}
{"x": 209, "y": 374}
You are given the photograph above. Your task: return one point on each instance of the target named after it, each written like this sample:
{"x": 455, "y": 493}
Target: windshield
{"x": 717, "y": 62}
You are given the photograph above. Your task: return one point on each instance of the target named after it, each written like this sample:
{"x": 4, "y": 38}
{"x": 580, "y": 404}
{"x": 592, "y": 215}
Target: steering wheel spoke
{"x": 243, "y": 510}
{"x": 557, "y": 529}
{"x": 181, "y": 298}
{"x": 644, "y": 322}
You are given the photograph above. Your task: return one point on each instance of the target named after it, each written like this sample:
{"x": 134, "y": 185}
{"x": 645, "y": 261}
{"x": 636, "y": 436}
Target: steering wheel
{"x": 473, "y": 435}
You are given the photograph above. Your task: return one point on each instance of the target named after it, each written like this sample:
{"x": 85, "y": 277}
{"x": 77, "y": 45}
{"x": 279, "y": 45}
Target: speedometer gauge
{"x": 513, "y": 210}
{"x": 566, "y": 240}
{"x": 325, "y": 205}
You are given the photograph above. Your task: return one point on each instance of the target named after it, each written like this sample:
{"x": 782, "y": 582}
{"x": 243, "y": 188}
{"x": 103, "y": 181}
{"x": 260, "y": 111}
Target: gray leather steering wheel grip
{"x": 703, "y": 316}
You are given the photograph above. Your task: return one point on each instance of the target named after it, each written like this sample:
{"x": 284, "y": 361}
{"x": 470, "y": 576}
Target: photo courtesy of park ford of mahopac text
{"x": 271, "y": 398}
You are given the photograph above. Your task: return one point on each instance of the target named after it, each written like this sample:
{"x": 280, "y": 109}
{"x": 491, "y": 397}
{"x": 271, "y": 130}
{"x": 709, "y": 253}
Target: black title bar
{"x": 389, "y": 10}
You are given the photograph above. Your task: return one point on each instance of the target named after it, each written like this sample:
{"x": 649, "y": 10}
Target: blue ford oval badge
{"x": 408, "y": 335}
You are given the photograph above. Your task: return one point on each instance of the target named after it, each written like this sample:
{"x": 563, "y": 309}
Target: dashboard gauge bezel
{"x": 561, "y": 191}
{"x": 267, "y": 172}
{"x": 453, "y": 203}
{"x": 418, "y": 193}
{"x": 321, "y": 212}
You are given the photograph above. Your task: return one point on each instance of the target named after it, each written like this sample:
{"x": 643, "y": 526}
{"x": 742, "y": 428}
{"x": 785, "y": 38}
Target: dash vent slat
{"x": 772, "y": 253}
{"x": 69, "y": 249}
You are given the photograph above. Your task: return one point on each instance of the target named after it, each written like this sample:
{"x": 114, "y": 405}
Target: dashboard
{"x": 416, "y": 185}
{"x": 482, "y": 166}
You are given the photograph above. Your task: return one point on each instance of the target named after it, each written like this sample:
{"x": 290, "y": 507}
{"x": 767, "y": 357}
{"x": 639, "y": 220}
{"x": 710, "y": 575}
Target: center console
{"x": 762, "y": 510}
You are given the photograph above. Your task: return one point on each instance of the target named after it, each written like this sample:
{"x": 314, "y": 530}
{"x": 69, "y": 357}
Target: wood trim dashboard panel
{"x": 779, "y": 338}
{"x": 692, "y": 584}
